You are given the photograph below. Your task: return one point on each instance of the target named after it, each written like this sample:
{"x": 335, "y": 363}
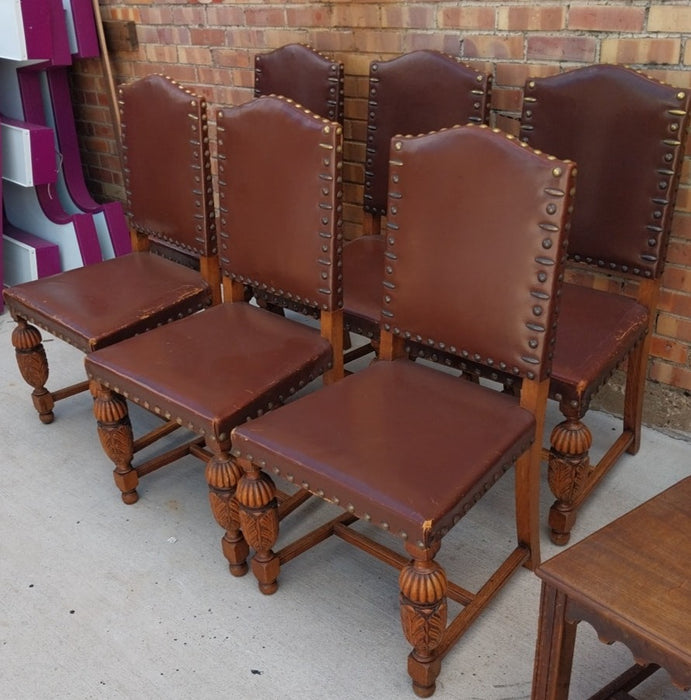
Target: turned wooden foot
{"x": 258, "y": 508}
{"x": 568, "y": 470}
{"x": 222, "y": 476}
{"x": 115, "y": 434}
{"x": 33, "y": 365}
{"x": 423, "y": 607}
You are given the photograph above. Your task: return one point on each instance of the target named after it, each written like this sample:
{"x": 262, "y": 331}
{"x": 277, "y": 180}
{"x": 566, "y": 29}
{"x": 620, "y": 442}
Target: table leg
{"x": 554, "y": 649}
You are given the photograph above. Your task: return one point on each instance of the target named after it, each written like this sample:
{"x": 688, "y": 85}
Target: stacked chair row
{"x": 480, "y": 227}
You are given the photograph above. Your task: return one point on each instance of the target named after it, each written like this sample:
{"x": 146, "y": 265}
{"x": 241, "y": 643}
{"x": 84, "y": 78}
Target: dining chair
{"x": 304, "y": 75}
{"x": 167, "y": 173}
{"x": 627, "y": 133}
{"x": 409, "y": 448}
{"x": 414, "y": 93}
{"x": 279, "y": 174}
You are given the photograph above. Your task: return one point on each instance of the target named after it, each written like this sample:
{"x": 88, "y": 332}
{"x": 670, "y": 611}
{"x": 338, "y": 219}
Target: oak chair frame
{"x": 30, "y": 303}
{"x": 633, "y": 269}
{"x": 268, "y": 443}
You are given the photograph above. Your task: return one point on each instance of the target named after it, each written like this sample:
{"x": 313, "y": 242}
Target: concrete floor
{"x": 103, "y": 600}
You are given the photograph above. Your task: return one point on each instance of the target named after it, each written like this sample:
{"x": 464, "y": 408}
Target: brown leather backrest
{"x": 280, "y": 191}
{"x": 305, "y": 76}
{"x": 412, "y": 94}
{"x": 167, "y": 164}
{"x": 475, "y": 244}
{"x": 626, "y": 132}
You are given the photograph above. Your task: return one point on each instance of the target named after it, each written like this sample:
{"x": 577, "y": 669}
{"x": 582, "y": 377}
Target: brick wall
{"x": 210, "y": 45}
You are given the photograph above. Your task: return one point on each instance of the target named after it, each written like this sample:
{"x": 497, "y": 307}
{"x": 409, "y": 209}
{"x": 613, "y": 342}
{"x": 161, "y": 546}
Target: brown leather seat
{"x": 411, "y": 94}
{"x": 280, "y": 232}
{"x": 627, "y": 133}
{"x": 305, "y": 76}
{"x": 410, "y": 448}
{"x": 170, "y": 206}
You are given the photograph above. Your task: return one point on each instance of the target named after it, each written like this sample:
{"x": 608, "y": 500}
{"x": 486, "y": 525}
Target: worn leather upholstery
{"x": 84, "y": 308}
{"x": 411, "y": 94}
{"x": 305, "y": 76}
{"x": 170, "y": 207}
{"x": 596, "y": 330}
{"x": 402, "y": 445}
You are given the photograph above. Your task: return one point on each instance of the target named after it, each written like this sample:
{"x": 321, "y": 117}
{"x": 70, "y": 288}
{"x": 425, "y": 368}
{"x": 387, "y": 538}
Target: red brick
{"x": 531, "y": 18}
{"x": 561, "y": 48}
{"x": 310, "y": 16}
{"x": 674, "y": 327}
{"x": 669, "y": 18}
{"x": 516, "y": 74}
{"x": 677, "y": 277}
{"x": 679, "y": 252}
{"x": 407, "y": 16}
{"x": 683, "y": 202}
{"x": 265, "y": 17}
{"x": 356, "y": 15}
{"x": 433, "y": 41}
{"x": 378, "y": 42}
{"x": 207, "y": 37}
{"x": 669, "y": 350}
{"x": 233, "y": 57}
{"x": 475, "y": 18}
{"x": 673, "y": 375}
{"x": 333, "y": 40}
{"x": 225, "y": 15}
{"x": 157, "y": 53}
{"x": 507, "y": 123}
{"x": 492, "y": 46}
{"x": 507, "y": 99}
{"x": 681, "y": 225}
{"x": 606, "y": 19}
{"x": 195, "y": 55}
{"x": 189, "y": 15}
{"x": 674, "y": 302}
{"x": 640, "y": 51}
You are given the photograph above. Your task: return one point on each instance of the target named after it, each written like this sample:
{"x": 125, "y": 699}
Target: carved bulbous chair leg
{"x": 568, "y": 471}
{"x": 117, "y": 440}
{"x": 222, "y": 476}
{"x": 423, "y": 606}
{"x": 258, "y": 508}
{"x": 33, "y": 365}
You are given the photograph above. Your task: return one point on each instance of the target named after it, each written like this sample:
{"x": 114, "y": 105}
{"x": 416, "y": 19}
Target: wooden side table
{"x": 631, "y": 581}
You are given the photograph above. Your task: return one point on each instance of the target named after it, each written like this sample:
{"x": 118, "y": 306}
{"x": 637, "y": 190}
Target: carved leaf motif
{"x": 424, "y": 627}
{"x": 33, "y": 367}
{"x": 117, "y": 443}
{"x": 260, "y": 529}
{"x": 567, "y": 477}
{"x": 221, "y": 511}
